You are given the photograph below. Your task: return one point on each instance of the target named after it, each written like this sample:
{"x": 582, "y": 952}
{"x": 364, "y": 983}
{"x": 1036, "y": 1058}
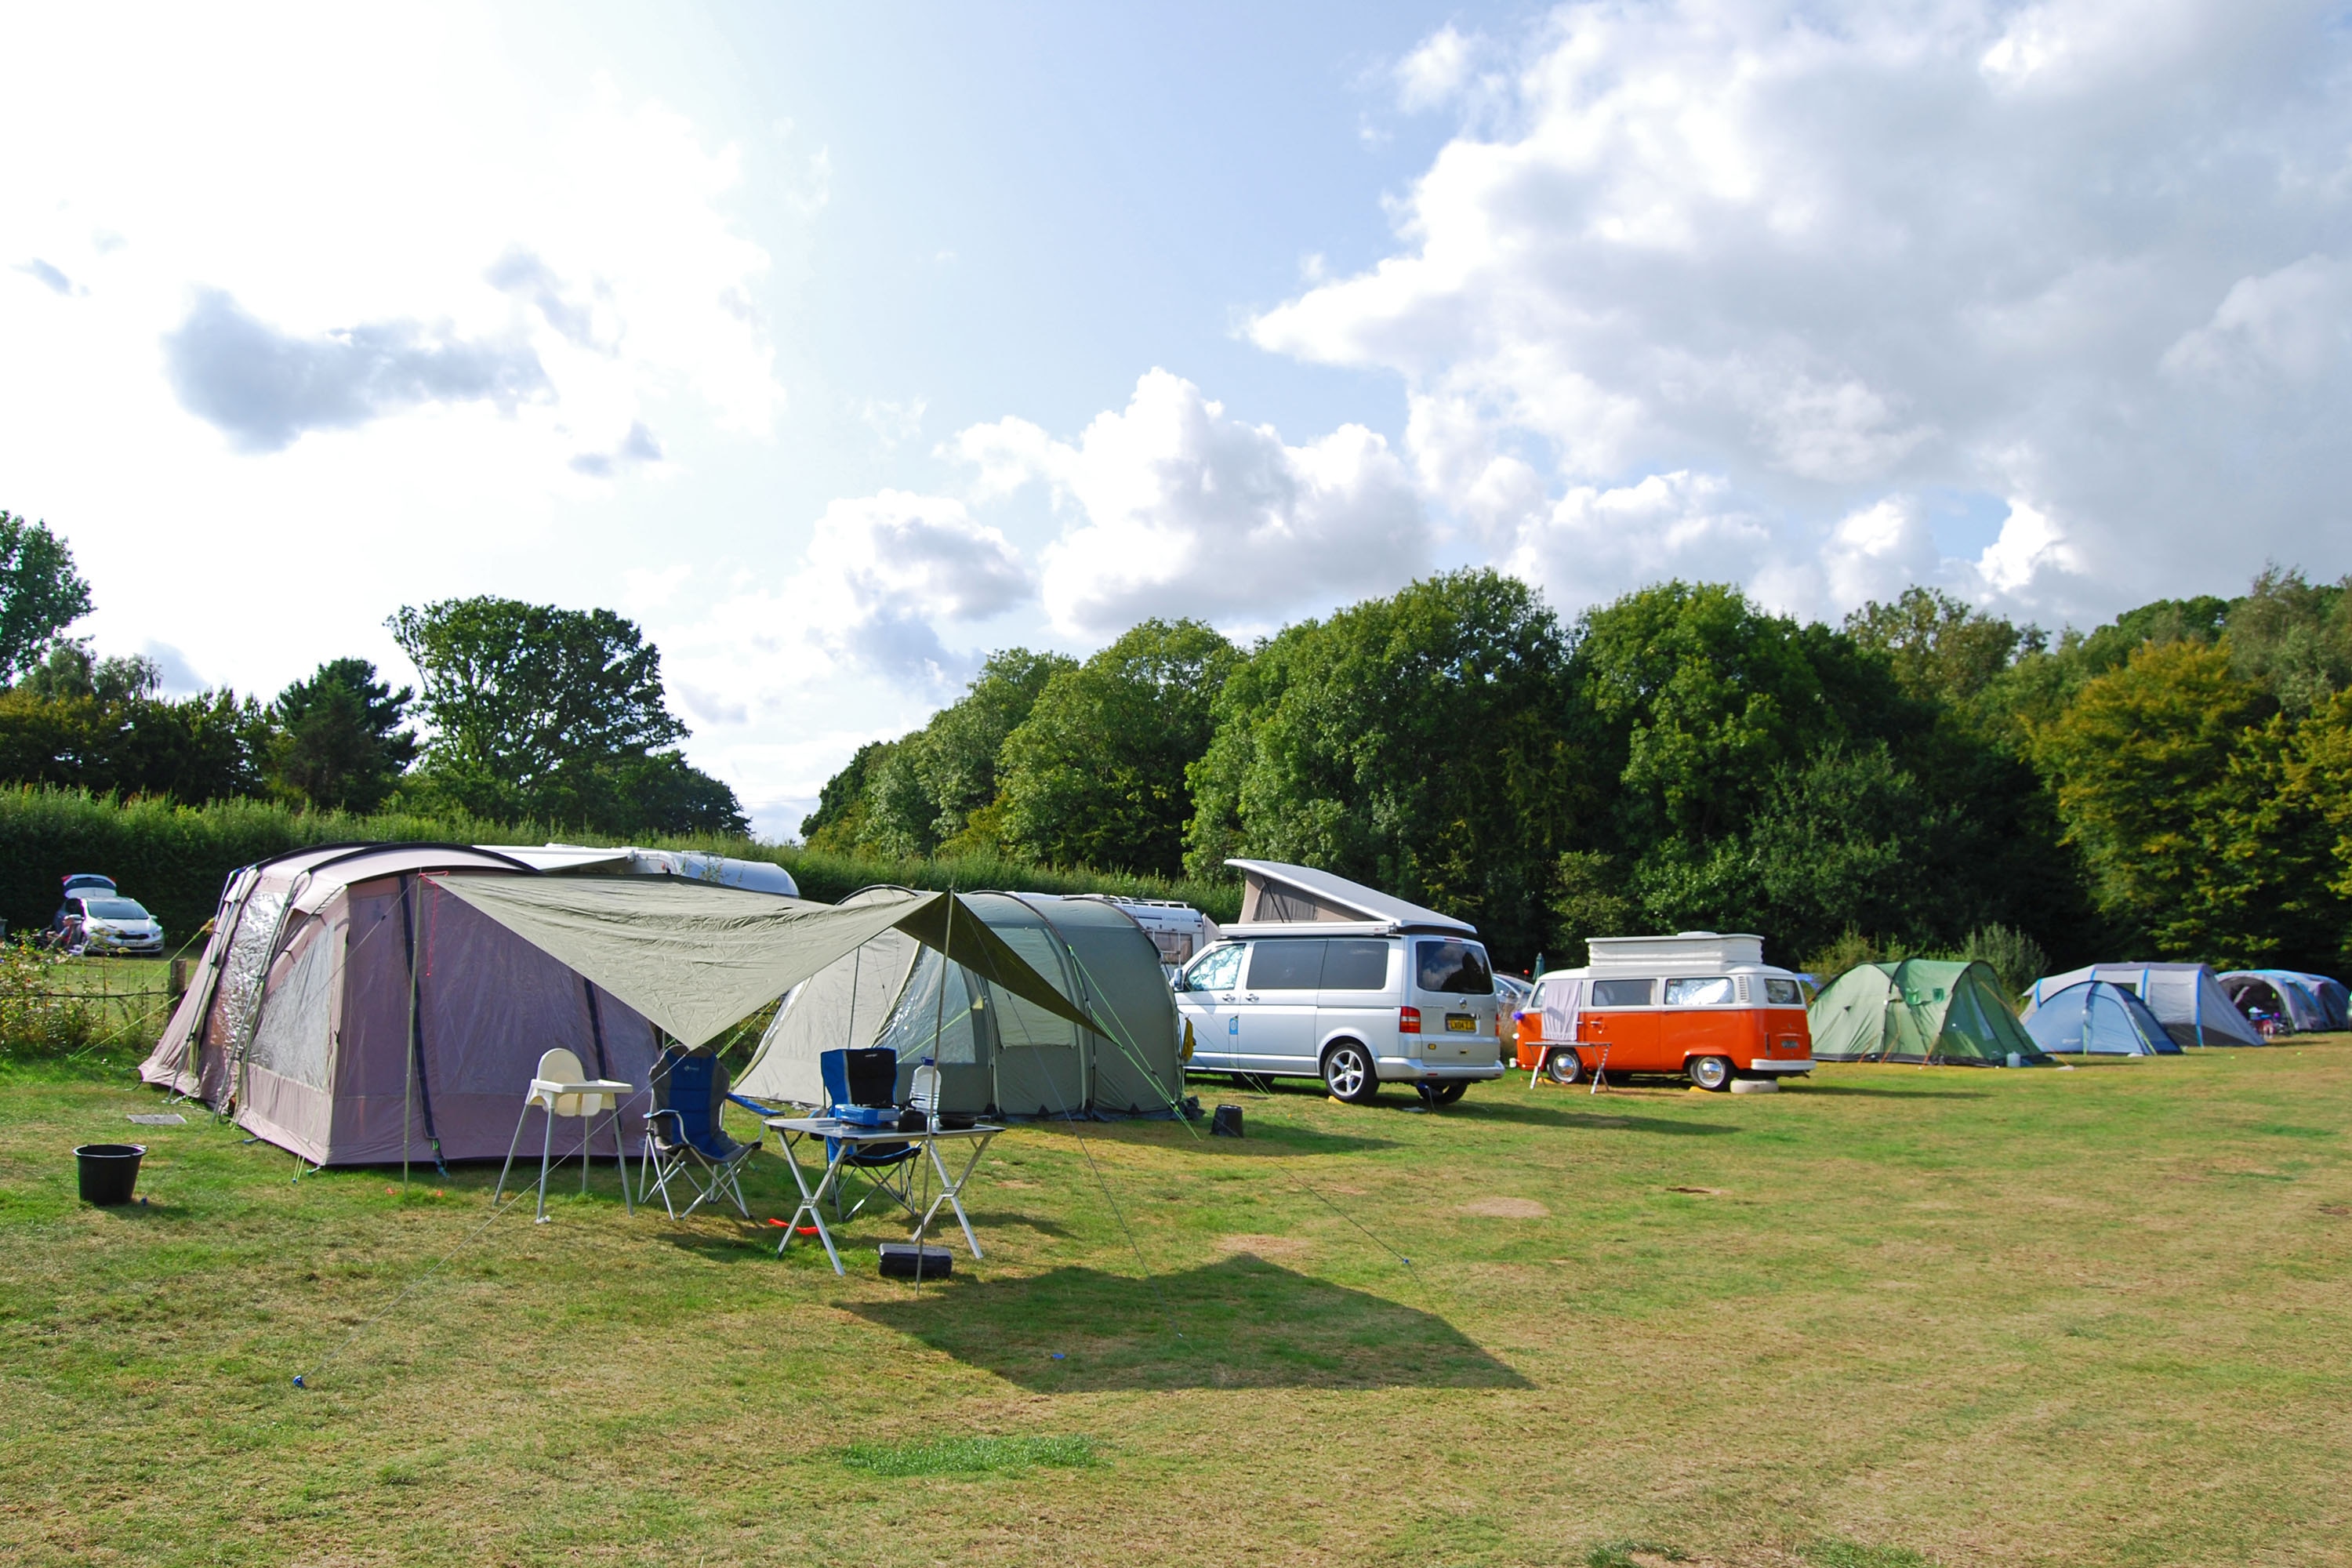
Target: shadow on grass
{"x": 1263, "y": 1137}
{"x": 1600, "y": 1120}
{"x": 1855, "y": 1089}
{"x": 1245, "y": 1323}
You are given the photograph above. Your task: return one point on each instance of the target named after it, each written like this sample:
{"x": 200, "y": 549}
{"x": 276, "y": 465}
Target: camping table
{"x": 793, "y": 1130}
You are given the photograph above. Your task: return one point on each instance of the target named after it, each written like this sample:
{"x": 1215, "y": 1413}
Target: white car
{"x": 1356, "y": 1011}
{"x": 116, "y": 924}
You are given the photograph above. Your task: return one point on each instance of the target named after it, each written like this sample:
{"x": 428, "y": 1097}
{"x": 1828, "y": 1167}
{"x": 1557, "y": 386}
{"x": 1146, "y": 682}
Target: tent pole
{"x": 408, "y": 1048}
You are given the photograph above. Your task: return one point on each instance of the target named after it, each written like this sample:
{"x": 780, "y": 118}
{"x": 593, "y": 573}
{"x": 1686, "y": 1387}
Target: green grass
{"x": 1904, "y": 1316}
{"x": 968, "y": 1455}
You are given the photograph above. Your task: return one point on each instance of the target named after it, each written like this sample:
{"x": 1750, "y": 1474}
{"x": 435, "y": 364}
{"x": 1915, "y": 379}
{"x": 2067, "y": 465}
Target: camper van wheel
{"x": 1348, "y": 1074}
{"x": 1563, "y": 1066}
{"x": 1711, "y": 1073}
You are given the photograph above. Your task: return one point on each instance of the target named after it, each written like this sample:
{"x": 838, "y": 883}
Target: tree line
{"x": 1924, "y": 777}
{"x": 529, "y": 713}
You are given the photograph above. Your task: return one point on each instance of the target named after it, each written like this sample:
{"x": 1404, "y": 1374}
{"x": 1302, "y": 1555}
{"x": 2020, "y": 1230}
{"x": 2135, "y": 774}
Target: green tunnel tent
{"x": 997, "y": 1053}
{"x": 1920, "y": 1010}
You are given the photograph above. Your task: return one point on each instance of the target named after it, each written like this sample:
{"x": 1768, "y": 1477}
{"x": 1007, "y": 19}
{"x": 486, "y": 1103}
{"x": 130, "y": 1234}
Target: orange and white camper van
{"x": 1700, "y": 1004}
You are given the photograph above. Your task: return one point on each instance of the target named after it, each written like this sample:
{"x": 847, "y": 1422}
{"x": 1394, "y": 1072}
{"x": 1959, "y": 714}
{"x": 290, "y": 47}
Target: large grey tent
{"x": 997, "y": 1052}
{"x": 2093, "y": 1019}
{"x": 2187, "y": 999}
{"x": 2335, "y": 1001}
{"x": 343, "y": 1012}
{"x": 371, "y": 1003}
{"x": 2286, "y": 997}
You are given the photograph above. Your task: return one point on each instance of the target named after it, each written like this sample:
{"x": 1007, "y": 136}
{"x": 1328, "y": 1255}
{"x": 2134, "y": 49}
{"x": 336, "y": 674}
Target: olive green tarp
{"x": 695, "y": 958}
{"x": 1920, "y": 1010}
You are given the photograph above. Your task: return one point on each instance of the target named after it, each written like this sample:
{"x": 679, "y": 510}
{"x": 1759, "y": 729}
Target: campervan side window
{"x": 1705, "y": 990}
{"x": 1356, "y": 963}
{"x": 1782, "y": 993}
{"x": 1286, "y": 965}
{"x": 1621, "y": 993}
{"x": 1456, "y": 968}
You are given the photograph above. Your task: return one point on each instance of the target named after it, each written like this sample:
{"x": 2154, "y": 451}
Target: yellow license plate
{"x": 1462, "y": 1023}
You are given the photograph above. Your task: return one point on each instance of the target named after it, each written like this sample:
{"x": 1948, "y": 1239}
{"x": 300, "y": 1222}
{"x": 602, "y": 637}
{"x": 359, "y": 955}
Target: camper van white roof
{"x": 1689, "y": 952}
{"x": 1276, "y": 894}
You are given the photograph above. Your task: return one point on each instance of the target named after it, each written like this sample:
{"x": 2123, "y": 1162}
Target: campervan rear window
{"x": 1782, "y": 993}
{"x": 1705, "y": 991}
{"x": 1456, "y": 968}
{"x": 1621, "y": 993}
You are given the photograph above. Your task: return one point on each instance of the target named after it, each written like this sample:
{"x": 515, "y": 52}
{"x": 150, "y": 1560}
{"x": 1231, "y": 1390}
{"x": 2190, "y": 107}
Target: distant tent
{"x": 2095, "y": 1019}
{"x": 2285, "y": 996}
{"x": 2187, "y": 999}
{"x": 2334, "y": 1000}
{"x": 1920, "y": 1010}
{"x": 996, "y": 1052}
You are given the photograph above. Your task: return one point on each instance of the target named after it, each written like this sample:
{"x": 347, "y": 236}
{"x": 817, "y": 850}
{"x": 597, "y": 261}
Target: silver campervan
{"x": 1326, "y": 978}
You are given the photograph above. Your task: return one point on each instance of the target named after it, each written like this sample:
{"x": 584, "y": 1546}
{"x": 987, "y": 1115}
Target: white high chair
{"x": 563, "y": 1088}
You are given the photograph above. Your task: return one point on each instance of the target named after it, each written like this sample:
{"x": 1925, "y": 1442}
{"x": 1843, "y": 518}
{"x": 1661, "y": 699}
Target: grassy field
{"x": 1890, "y": 1317}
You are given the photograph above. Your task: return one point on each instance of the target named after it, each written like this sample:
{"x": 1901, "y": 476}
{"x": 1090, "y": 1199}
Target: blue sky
{"x": 840, "y": 345}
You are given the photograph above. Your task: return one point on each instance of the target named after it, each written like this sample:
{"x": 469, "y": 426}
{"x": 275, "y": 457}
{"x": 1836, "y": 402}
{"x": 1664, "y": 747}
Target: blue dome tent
{"x": 2096, "y": 1018}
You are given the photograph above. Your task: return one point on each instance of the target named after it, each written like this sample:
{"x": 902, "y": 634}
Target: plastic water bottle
{"x": 923, "y": 1095}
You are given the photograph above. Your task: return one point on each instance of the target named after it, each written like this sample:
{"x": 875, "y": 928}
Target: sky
{"x": 838, "y": 346}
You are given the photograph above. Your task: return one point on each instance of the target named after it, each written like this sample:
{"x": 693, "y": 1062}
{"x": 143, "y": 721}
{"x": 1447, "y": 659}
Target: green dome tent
{"x": 1920, "y": 1010}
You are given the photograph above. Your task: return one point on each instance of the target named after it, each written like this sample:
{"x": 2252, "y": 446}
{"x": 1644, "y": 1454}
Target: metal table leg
{"x": 810, "y": 1202}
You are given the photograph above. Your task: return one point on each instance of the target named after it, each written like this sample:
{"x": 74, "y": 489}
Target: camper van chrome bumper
{"x": 1781, "y": 1064}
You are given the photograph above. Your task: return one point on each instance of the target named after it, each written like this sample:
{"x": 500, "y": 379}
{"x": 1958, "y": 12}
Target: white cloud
{"x": 2089, "y": 259}
{"x": 1177, "y": 509}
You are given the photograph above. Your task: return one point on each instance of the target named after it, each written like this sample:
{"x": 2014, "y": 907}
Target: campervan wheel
{"x": 1711, "y": 1073}
{"x": 1563, "y": 1066}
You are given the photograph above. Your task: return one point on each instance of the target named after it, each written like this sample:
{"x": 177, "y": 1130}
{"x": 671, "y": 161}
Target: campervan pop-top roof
{"x": 1276, "y": 898}
{"x": 1690, "y": 953}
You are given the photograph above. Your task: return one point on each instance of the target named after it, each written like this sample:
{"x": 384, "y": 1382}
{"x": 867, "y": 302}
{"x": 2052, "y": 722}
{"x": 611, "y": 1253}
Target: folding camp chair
{"x": 868, "y": 1080}
{"x": 684, "y": 1141}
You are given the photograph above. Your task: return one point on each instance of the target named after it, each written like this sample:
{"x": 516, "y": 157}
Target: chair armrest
{"x": 754, "y": 1106}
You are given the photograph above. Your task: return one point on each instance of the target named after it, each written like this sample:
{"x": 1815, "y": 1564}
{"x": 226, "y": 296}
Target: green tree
{"x": 192, "y": 750}
{"x": 1418, "y": 743}
{"x": 40, "y": 593}
{"x": 1095, "y": 774}
{"x": 339, "y": 740}
{"x": 842, "y": 806}
{"x": 958, "y": 760}
{"x": 543, "y": 712}
{"x": 68, "y": 670}
{"x": 1939, "y": 650}
{"x": 2142, "y": 761}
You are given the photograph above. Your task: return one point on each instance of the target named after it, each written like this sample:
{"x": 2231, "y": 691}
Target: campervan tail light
{"x": 1408, "y": 1020}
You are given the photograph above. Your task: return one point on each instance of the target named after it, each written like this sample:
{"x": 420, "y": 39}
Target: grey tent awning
{"x": 695, "y": 958}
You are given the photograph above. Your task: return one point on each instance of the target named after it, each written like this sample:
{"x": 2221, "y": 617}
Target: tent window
{"x": 936, "y": 1014}
{"x": 247, "y": 964}
{"x": 292, "y": 1039}
{"x": 1021, "y": 1023}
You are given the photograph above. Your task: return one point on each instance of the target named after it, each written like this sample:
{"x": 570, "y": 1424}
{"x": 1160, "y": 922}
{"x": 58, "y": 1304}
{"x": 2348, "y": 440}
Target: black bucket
{"x": 109, "y": 1172}
{"x": 1226, "y": 1122}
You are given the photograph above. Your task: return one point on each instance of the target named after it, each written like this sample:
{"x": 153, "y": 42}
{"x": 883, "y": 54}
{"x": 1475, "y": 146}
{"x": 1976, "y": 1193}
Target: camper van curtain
{"x": 695, "y": 958}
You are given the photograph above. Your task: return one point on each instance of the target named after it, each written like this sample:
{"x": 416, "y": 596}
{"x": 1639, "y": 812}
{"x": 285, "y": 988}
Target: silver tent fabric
{"x": 2297, "y": 1000}
{"x": 695, "y": 958}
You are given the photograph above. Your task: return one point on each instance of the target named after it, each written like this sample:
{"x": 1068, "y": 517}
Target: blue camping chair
{"x": 868, "y": 1080}
{"x": 684, "y": 1139}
